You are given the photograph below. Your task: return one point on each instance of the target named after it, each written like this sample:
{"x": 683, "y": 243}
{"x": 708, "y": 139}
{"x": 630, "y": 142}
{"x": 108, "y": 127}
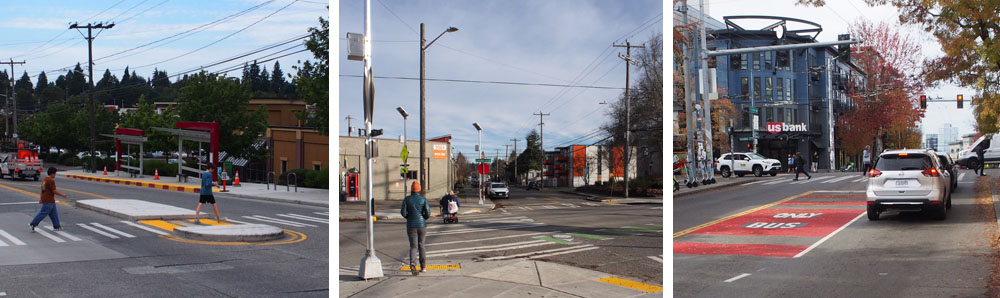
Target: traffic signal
{"x": 748, "y": 147}
{"x": 923, "y": 102}
{"x": 959, "y": 101}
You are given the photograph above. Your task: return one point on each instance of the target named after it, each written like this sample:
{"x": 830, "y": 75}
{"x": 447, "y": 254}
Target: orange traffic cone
{"x": 156, "y": 173}
{"x": 237, "y": 181}
{"x": 105, "y": 170}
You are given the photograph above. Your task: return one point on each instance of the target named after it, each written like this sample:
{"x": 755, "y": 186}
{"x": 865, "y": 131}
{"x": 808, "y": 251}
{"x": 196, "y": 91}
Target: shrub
{"x": 165, "y": 169}
{"x": 318, "y": 179}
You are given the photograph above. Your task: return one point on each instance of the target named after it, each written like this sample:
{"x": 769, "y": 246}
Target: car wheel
{"x": 947, "y": 204}
{"x": 973, "y": 163}
{"x": 872, "y": 213}
{"x": 758, "y": 171}
{"x": 941, "y": 213}
{"x": 774, "y": 173}
{"x": 726, "y": 172}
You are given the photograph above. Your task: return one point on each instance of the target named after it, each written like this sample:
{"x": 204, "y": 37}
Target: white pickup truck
{"x": 747, "y": 163}
{"x": 23, "y": 164}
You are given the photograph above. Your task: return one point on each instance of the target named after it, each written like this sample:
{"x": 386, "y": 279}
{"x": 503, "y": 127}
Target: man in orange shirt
{"x": 48, "y": 201}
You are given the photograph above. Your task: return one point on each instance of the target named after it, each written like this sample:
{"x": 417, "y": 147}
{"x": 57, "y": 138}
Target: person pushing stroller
{"x": 449, "y": 207}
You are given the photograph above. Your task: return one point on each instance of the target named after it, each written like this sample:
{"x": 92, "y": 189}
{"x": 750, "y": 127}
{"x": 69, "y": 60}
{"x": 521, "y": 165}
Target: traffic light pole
{"x": 371, "y": 266}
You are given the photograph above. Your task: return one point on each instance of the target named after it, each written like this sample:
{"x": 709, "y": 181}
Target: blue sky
{"x": 37, "y": 32}
{"x": 547, "y": 42}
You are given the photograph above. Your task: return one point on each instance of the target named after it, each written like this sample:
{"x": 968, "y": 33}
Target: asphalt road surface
{"x": 102, "y": 256}
{"x": 810, "y": 238}
{"x": 625, "y": 240}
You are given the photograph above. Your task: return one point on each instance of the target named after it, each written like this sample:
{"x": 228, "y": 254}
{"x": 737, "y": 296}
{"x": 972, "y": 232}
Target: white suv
{"x": 908, "y": 180}
{"x": 746, "y": 163}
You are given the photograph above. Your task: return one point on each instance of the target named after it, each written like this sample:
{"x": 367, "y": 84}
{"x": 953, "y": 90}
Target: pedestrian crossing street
{"x": 506, "y": 236}
{"x": 123, "y": 229}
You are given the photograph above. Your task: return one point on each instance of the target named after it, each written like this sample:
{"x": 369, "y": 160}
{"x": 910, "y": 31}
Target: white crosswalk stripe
{"x": 526, "y": 208}
{"x": 148, "y": 229}
{"x": 491, "y": 238}
{"x": 475, "y": 249}
{"x": 305, "y": 218}
{"x": 323, "y": 213}
{"x": 278, "y": 221}
{"x": 581, "y": 248}
{"x": 549, "y": 207}
{"x": 805, "y": 180}
{"x": 63, "y": 233}
{"x": 590, "y": 204}
{"x": 11, "y": 238}
{"x": 657, "y": 258}
{"x": 776, "y": 181}
{"x": 95, "y": 230}
{"x": 110, "y": 229}
{"x": 960, "y": 176}
{"x": 860, "y": 179}
{"x": 540, "y": 253}
{"x": 474, "y": 230}
{"x": 569, "y": 205}
{"x": 838, "y": 179}
{"x": 50, "y": 236}
{"x": 761, "y": 181}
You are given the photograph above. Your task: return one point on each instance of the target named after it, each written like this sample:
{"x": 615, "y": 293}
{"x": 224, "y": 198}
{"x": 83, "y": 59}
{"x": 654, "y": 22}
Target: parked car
{"x": 532, "y": 185}
{"x": 908, "y": 180}
{"x": 746, "y": 163}
{"x": 497, "y": 190}
{"x": 949, "y": 165}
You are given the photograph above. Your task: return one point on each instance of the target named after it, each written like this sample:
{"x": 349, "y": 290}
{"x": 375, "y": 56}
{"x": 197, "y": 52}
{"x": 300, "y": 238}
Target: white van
{"x": 968, "y": 158}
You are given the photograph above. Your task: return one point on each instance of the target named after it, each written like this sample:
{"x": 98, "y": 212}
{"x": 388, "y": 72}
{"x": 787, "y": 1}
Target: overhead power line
{"x": 491, "y": 82}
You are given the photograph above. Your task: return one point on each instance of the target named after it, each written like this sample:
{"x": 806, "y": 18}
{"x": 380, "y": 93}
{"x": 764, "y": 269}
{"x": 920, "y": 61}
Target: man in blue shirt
{"x": 206, "y": 193}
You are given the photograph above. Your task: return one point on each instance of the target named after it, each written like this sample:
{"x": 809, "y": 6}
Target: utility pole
{"x": 707, "y": 105}
{"x": 516, "y": 178}
{"x": 9, "y": 98}
{"x": 349, "y": 128}
{"x": 692, "y": 166}
{"x": 506, "y": 154}
{"x": 628, "y": 107}
{"x": 90, "y": 68}
{"x": 541, "y": 134}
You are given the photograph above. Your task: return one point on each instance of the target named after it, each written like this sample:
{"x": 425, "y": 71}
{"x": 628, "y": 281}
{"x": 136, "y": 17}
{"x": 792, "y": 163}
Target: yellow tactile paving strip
{"x": 154, "y": 185}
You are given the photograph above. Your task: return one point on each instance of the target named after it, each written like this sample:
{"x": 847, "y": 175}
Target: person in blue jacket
{"x": 416, "y": 211}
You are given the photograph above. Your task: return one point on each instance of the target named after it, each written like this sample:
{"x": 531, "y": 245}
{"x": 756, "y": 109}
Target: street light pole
{"x": 371, "y": 266}
{"x": 423, "y": 136}
{"x": 479, "y": 130}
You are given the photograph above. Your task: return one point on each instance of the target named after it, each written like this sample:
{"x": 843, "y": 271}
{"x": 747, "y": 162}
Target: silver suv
{"x": 497, "y": 190}
{"x": 908, "y": 180}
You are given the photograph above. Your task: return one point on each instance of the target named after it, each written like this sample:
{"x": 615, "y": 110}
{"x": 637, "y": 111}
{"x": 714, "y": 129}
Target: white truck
{"x": 747, "y": 163}
{"x": 991, "y": 154}
{"x": 22, "y": 164}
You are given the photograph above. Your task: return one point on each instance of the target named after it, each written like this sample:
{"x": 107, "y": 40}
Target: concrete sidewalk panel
{"x": 521, "y": 272}
{"x": 580, "y": 282}
{"x": 135, "y": 210}
{"x": 247, "y": 233}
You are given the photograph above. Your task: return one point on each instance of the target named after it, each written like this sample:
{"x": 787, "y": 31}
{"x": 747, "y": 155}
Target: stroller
{"x": 449, "y": 209}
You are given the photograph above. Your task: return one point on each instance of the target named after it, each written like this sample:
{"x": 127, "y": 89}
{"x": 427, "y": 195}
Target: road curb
{"x": 258, "y": 233}
{"x": 996, "y": 202}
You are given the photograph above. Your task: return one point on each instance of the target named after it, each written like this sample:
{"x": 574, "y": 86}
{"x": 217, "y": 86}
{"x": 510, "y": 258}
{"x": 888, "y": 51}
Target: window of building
{"x": 781, "y": 59}
{"x": 744, "y": 59}
{"x": 792, "y": 87}
{"x": 756, "y": 87}
{"x": 780, "y": 113}
{"x": 756, "y": 64}
{"x": 768, "y": 89}
{"x": 788, "y": 91}
{"x": 734, "y": 61}
{"x": 284, "y": 166}
{"x": 768, "y": 115}
{"x": 780, "y": 89}
{"x": 788, "y": 114}
{"x": 747, "y": 117}
{"x": 767, "y": 60}
{"x": 744, "y": 87}
{"x": 316, "y": 167}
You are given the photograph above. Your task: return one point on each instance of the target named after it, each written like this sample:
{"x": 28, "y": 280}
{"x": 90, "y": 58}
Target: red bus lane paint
{"x": 762, "y": 250}
{"x": 778, "y": 222}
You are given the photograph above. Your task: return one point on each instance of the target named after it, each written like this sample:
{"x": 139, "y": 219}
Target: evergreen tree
{"x": 278, "y": 81}
{"x": 43, "y": 82}
{"x": 77, "y": 81}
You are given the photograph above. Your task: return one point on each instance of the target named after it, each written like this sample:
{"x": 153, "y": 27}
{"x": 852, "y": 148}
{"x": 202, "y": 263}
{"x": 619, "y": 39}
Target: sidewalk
{"x": 720, "y": 182}
{"x": 390, "y": 209}
{"x": 256, "y": 191}
{"x": 510, "y": 278}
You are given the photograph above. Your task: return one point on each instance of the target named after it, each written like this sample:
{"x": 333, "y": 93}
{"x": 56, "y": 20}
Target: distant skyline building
{"x": 932, "y": 141}
{"x": 946, "y": 135}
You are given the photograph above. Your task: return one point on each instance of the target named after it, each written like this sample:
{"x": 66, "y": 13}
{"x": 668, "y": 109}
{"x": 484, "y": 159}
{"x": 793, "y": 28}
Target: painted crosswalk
{"x": 656, "y": 258}
{"x": 828, "y": 179}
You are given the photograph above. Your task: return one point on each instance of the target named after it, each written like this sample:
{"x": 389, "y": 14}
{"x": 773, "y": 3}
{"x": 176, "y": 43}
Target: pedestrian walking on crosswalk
{"x": 416, "y": 211}
{"x": 801, "y": 167}
{"x": 48, "y": 201}
{"x": 206, "y": 193}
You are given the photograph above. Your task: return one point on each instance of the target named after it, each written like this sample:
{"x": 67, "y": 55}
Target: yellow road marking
{"x": 161, "y": 224}
{"x": 434, "y": 267}
{"x": 701, "y": 226}
{"x": 295, "y": 237}
{"x": 31, "y": 194}
{"x": 211, "y": 222}
{"x": 648, "y": 288}
{"x": 86, "y": 193}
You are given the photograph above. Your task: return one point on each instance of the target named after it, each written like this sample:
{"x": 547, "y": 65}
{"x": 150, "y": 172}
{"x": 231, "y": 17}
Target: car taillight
{"x": 874, "y": 173}
{"x": 932, "y": 172}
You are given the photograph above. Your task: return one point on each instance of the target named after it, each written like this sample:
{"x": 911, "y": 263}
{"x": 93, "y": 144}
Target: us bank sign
{"x": 777, "y": 127}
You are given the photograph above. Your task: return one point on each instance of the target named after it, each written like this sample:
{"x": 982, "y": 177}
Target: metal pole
{"x": 406, "y": 178}
{"x": 480, "y": 149}
{"x": 371, "y": 266}
{"x": 628, "y": 117}
{"x": 829, "y": 97}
